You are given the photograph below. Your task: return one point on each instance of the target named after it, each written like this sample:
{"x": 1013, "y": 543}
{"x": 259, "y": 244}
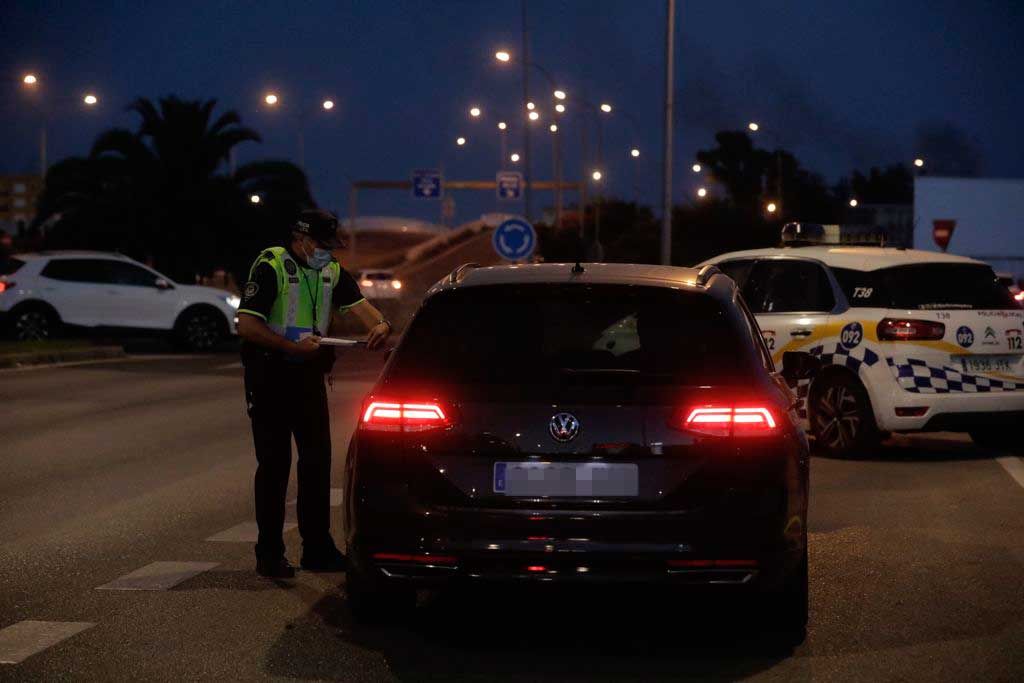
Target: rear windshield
{"x": 926, "y": 286}
{"x": 537, "y": 334}
{"x": 10, "y": 265}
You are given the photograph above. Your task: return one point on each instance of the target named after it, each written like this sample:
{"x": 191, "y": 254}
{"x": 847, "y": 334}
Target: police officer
{"x": 294, "y": 295}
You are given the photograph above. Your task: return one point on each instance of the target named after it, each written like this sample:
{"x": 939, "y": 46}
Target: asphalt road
{"x": 917, "y": 560}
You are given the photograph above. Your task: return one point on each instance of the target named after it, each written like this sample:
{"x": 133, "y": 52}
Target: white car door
{"x": 136, "y": 299}
{"x": 792, "y": 299}
{"x": 78, "y": 289}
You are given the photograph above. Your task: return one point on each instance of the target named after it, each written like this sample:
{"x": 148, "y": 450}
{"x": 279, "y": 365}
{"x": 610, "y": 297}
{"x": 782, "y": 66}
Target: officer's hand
{"x": 307, "y": 346}
{"x": 378, "y": 335}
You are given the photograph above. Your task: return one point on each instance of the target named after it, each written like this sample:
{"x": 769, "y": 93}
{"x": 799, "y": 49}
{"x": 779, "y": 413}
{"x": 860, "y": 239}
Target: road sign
{"x": 515, "y": 240}
{"x": 509, "y": 184}
{"x": 942, "y": 232}
{"x": 426, "y": 183}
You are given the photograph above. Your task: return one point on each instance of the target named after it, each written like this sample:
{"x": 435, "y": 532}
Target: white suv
{"x": 41, "y": 292}
{"x": 908, "y": 340}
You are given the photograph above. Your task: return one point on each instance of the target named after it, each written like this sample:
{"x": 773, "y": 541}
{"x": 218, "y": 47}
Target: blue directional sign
{"x": 426, "y": 183}
{"x": 515, "y": 240}
{"x": 509, "y": 184}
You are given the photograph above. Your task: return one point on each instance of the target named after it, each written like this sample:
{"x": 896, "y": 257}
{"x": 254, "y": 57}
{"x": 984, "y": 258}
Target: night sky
{"x": 843, "y": 84}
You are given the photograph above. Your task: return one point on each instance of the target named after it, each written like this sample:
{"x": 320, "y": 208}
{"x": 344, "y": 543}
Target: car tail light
{"x": 899, "y": 329}
{"x": 5, "y": 285}
{"x": 403, "y": 416}
{"x": 724, "y": 420}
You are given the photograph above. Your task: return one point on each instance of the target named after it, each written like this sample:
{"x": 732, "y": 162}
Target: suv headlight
{"x": 233, "y": 301}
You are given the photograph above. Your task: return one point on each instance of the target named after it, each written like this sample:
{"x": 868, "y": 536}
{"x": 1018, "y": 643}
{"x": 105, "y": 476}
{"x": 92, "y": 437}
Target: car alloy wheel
{"x": 202, "y": 331}
{"x": 32, "y": 326}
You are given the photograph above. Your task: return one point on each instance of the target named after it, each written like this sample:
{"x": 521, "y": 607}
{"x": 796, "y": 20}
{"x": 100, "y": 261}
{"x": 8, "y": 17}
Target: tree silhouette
{"x": 160, "y": 193}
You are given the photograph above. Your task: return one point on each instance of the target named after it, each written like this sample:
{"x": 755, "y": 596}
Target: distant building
{"x": 894, "y": 221}
{"x": 18, "y": 197}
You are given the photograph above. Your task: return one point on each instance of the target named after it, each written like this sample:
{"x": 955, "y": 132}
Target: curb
{"x": 31, "y": 358}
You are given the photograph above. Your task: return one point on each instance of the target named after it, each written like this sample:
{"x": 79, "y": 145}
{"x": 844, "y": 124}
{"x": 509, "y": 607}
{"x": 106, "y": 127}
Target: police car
{"x": 908, "y": 340}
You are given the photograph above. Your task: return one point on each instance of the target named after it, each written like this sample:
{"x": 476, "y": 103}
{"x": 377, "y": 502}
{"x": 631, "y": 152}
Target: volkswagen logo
{"x": 564, "y": 427}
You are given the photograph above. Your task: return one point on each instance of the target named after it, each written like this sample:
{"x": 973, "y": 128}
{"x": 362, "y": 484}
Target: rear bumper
{"x": 959, "y": 411}
{"x": 434, "y": 547}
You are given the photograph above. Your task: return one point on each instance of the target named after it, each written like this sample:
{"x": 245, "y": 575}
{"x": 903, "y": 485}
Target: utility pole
{"x": 521, "y": 116}
{"x": 666, "y": 218}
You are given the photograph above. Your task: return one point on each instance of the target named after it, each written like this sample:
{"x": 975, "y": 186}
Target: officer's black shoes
{"x": 274, "y": 568}
{"x": 327, "y": 560}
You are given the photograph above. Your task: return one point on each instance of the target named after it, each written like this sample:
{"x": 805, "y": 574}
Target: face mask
{"x": 319, "y": 258}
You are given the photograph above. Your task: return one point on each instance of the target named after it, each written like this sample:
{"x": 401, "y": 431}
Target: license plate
{"x": 566, "y": 479}
{"x": 1005, "y": 364}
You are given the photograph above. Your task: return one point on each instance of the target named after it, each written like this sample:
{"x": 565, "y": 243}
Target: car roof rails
{"x": 706, "y": 273}
{"x": 457, "y": 274}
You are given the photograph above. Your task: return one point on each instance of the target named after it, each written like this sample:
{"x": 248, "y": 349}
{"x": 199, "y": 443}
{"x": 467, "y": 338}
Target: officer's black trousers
{"x": 285, "y": 400}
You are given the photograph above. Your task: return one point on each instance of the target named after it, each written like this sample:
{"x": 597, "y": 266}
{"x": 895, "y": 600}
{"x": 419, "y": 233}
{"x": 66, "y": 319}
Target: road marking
{"x": 230, "y": 366}
{"x": 246, "y": 532}
{"x": 97, "y": 361}
{"x": 20, "y": 641}
{"x": 158, "y": 576}
{"x": 1014, "y": 466}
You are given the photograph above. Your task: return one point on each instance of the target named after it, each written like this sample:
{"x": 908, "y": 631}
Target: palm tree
{"x": 160, "y": 193}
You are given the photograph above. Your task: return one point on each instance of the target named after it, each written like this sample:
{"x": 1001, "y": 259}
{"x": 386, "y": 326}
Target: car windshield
{"x": 535, "y": 334}
{"x": 926, "y": 286}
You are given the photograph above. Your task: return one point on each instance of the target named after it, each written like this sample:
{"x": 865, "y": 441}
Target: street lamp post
{"x": 272, "y": 100}
{"x": 754, "y": 128}
{"x": 30, "y": 82}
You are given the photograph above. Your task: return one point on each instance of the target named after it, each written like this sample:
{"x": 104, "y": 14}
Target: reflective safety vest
{"x": 299, "y": 290}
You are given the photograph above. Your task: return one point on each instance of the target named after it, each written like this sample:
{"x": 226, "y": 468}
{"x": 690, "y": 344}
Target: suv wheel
{"x": 841, "y": 417}
{"x": 200, "y": 329}
{"x": 789, "y": 607}
{"x": 34, "y": 323}
{"x": 373, "y": 602}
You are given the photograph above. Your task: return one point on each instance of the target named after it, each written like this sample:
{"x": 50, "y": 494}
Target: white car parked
{"x": 908, "y": 340}
{"x": 42, "y": 292}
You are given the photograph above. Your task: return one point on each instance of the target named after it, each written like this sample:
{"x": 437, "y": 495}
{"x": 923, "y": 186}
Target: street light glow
{"x": 606, "y": 108}
{"x": 771, "y": 207}
{"x": 531, "y": 106}
{"x": 502, "y": 56}
{"x": 853, "y": 202}
{"x": 560, "y": 108}
{"x": 514, "y": 157}
{"x": 474, "y": 112}
{"x": 328, "y": 105}
{"x": 553, "y": 128}
{"x": 30, "y": 79}
{"x": 90, "y": 99}
{"x": 702, "y": 192}
{"x": 596, "y": 175}
{"x": 919, "y": 162}
{"x": 255, "y": 199}
{"x": 696, "y": 168}
{"x": 753, "y": 126}
{"x": 270, "y": 99}
{"x": 460, "y": 141}
{"x": 634, "y": 152}
{"x": 559, "y": 94}
{"x": 502, "y": 125}
{"x": 534, "y": 116}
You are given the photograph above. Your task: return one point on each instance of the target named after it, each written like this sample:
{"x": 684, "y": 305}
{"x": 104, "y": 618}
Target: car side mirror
{"x": 161, "y": 283}
{"x": 797, "y": 365}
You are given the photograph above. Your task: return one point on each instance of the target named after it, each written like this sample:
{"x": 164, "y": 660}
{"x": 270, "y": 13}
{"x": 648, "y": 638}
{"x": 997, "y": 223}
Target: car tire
{"x": 788, "y": 608}
{"x": 34, "y": 322}
{"x": 372, "y": 601}
{"x": 998, "y": 440}
{"x": 200, "y": 329}
{"x": 841, "y": 418}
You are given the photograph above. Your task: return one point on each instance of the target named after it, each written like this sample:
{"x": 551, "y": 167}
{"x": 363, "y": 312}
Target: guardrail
{"x": 417, "y": 252}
